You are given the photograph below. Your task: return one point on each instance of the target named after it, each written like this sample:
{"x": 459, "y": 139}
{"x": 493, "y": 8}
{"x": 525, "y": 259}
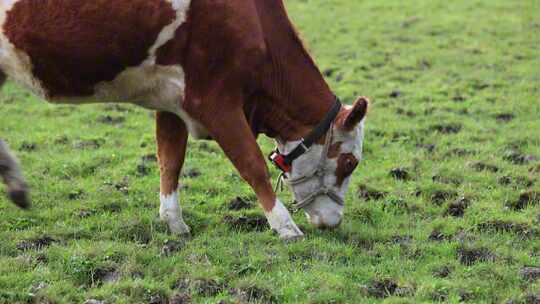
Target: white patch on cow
{"x": 167, "y": 33}
{"x": 171, "y": 213}
{"x": 153, "y": 86}
{"x": 15, "y": 63}
{"x": 281, "y": 221}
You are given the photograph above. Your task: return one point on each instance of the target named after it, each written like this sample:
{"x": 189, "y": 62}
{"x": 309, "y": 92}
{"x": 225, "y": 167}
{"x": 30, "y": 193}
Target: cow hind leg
{"x": 10, "y": 171}
{"x": 172, "y": 138}
{"x": 11, "y": 175}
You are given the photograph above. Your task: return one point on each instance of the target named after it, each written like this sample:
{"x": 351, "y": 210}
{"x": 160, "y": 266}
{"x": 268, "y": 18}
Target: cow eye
{"x": 351, "y": 163}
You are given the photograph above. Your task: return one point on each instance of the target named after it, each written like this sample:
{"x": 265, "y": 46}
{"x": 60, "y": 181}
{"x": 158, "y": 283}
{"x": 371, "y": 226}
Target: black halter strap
{"x": 284, "y": 162}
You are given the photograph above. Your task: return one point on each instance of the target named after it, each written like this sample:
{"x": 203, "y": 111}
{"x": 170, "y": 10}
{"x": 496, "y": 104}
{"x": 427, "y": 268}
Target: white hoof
{"x": 281, "y": 221}
{"x": 178, "y": 226}
{"x": 171, "y": 213}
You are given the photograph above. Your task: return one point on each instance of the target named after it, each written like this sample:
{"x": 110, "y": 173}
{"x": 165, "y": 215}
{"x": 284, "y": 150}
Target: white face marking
{"x": 324, "y": 212}
{"x": 171, "y": 213}
{"x": 281, "y": 221}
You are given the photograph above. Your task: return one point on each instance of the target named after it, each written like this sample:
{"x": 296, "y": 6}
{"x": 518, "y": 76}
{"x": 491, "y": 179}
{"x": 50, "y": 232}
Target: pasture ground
{"x": 444, "y": 208}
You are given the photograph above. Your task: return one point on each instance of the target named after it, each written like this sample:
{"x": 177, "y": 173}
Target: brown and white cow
{"x": 222, "y": 69}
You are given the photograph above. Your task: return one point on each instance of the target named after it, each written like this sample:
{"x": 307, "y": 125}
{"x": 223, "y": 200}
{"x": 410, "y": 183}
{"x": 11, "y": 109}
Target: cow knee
{"x": 257, "y": 175}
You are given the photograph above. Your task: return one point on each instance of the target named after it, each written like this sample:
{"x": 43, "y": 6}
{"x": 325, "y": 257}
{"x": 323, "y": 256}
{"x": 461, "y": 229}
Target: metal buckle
{"x": 279, "y": 161}
{"x": 303, "y": 145}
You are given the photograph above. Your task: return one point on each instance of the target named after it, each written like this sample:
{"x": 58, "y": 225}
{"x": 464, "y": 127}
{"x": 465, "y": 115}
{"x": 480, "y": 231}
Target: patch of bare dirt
{"x": 459, "y": 152}
{"x": 180, "y": 298}
{"x": 516, "y": 157}
{"x": 75, "y": 194}
{"x": 471, "y": 255}
{"x": 518, "y": 181}
{"x": 395, "y": 94}
{"x": 368, "y": 194}
{"x": 527, "y": 198}
{"x": 206, "y": 287}
{"x": 36, "y": 243}
{"x": 440, "y": 196}
{"x": 506, "y": 226}
{"x": 400, "y": 174}
{"x": 111, "y": 120}
{"x": 384, "y": 288}
{"x": 191, "y": 173}
{"x": 253, "y": 222}
{"x": 530, "y": 274}
{"x": 457, "y": 208}
{"x": 447, "y": 180}
{"x": 88, "y": 144}
{"x": 253, "y": 294}
{"x": 170, "y": 247}
{"x": 480, "y": 166}
{"x": 149, "y": 158}
{"x": 449, "y": 128}
{"x": 442, "y": 272}
{"x": 240, "y": 203}
{"x": 28, "y": 147}
{"x": 437, "y": 236}
{"x": 504, "y": 117}
{"x": 427, "y": 147}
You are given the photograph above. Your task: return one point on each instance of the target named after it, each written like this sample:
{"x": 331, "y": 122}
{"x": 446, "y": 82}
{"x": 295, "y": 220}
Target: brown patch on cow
{"x": 345, "y": 166}
{"x": 73, "y": 45}
{"x": 334, "y": 149}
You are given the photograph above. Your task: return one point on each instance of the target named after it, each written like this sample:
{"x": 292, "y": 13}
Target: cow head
{"x": 319, "y": 179}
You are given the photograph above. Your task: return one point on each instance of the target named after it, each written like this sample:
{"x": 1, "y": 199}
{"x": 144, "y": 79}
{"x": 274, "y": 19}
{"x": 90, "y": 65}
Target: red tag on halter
{"x": 279, "y": 161}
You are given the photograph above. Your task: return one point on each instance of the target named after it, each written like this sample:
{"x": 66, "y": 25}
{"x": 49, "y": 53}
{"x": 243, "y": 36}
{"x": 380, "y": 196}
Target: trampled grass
{"x": 445, "y": 206}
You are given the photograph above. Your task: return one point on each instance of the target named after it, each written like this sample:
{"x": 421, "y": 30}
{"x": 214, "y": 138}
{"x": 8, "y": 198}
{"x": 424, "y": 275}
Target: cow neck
{"x": 295, "y": 97}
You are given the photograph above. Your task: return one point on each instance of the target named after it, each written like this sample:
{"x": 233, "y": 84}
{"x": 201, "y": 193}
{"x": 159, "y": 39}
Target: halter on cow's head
{"x": 318, "y": 168}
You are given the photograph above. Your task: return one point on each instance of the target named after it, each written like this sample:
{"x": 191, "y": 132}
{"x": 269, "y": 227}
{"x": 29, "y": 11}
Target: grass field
{"x": 444, "y": 208}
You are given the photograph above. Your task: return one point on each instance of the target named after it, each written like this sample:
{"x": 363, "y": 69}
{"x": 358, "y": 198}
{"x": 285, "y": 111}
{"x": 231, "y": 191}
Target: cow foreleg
{"x": 232, "y": 132}
{"x": 172, "y": 138}
{"x": 10, "y": 173}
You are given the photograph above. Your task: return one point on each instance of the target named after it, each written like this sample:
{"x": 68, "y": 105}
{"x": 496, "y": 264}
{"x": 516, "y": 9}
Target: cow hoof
{"x": 20, "y": 198}
{"x": 179, "y": 228}
{"x": 291, "y": 233}
{"x": 175, "y": 223}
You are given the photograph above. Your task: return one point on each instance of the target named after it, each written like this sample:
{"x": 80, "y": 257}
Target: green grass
{"x": 452, "y": 66}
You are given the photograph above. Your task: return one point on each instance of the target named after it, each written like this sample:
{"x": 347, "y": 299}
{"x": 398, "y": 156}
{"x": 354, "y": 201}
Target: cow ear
{"x": 356, "y": 114}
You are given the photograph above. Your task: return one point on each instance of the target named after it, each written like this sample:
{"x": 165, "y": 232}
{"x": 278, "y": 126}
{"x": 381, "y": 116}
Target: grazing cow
{"x": 221, "y": 69}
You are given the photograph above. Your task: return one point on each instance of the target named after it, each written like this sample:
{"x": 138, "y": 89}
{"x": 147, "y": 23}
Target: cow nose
{"x": 325, "y": 220}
